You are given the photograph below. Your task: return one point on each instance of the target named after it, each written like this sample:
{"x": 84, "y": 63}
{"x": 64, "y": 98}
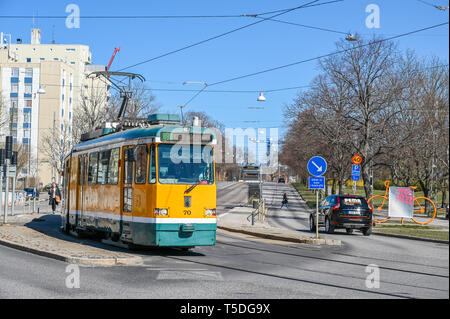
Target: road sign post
{"x": 317, "y": 214}
{"x": 317, "y": 166}
{"x": 356, "y": 169}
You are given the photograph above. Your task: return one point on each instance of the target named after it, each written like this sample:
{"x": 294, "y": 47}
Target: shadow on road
{"x": 50, "y": 226}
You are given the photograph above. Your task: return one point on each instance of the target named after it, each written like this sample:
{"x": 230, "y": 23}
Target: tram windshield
{"x": 185, "y": 164}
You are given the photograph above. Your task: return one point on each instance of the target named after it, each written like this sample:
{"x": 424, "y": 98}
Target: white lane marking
{"x": 223, "y": 214}
{"x": 189, "y": 275}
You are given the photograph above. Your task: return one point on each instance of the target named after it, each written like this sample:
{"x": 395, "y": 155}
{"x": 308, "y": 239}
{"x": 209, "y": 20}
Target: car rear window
{"x": 353, "y": 202}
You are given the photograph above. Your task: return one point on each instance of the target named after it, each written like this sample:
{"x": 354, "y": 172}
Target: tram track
{"x": 336, "y": 275}
{"x": 340, "y": 253}
{"x": 299, "y": 280}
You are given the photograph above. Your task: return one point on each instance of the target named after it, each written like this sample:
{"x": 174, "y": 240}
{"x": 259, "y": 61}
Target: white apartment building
{"x": 40, "y": 87}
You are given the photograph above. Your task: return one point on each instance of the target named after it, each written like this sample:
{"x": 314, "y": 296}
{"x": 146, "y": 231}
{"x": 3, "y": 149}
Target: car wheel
{"x": 312, "y": 226}
{"x": 329, "y": 229}
{"x": 349, "y": 231}
{"x": 367, "y": 231}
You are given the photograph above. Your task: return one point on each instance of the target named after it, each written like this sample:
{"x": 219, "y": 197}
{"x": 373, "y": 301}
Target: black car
{"x": 343, "y": 211}
{"x": 281, "y": 180}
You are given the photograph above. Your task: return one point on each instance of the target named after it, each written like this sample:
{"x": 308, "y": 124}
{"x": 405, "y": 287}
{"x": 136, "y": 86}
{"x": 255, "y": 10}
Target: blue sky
{"x": 265, "y": 45}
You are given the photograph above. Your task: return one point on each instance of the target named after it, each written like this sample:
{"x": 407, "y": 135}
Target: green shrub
{"x": 379, "y": 185}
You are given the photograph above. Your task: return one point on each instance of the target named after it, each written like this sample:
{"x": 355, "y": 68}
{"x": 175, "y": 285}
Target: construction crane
{"x": 112, "y": 58}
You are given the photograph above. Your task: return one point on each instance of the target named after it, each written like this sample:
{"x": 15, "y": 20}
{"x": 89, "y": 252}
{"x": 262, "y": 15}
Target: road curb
{"x": 71, "y": 259}
{"x": 310, "y": 241}
{"x": 411, "y": 237}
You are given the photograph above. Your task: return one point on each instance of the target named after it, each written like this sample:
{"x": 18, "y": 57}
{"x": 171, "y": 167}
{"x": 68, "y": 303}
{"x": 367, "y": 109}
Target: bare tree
{"x": 142, "y": 103}
{"x": 91, "y": 111}
{"x": 366, "y": 70}
{"x": 55, "y": 146}
{"x": 390, "y": 108}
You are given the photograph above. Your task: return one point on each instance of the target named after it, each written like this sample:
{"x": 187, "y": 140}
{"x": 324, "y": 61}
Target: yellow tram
{"x": 150, "y": 186}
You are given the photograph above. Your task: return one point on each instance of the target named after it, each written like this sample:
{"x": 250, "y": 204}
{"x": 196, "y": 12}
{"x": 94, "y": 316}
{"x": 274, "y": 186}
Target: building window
{"x": 27, "y": 133}
{"x": 14, "y": 88}
{"x": 42, "y": 59}
{"x": 62, "y": 97}
{"x": 28, "y": 60}
{"x": 14, "y": 105}
{"x": 28, "y": 73}
{"x": 62, "y": 112}
{"x": 15, "y": 72}
{"x": 70, "y": 49}
{"x": 28, "y": 88}
{"x": 26, "y": 118}
{"x": 25, "y": 140}
{"x": 28, "y": 103}
{"x": 56, "y": 59}
{"x": 63, "y": 82}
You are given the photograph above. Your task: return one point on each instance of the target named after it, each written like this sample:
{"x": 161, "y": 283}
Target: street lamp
{"x": 261, "y": 97}
{"x": 40, "y": 91}
{"x": 195, "y": 82}
{"x": 351, "y": 37}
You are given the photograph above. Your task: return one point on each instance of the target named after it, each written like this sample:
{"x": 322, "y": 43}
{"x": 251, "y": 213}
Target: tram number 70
{"x": 187, "y": 212}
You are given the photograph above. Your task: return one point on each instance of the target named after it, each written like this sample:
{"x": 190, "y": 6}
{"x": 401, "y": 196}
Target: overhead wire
{"x": 329, "y": 54}
{"x": 322, "y": 56}
{"x": 219, "y": 36}
{"x": 149, "y": 16}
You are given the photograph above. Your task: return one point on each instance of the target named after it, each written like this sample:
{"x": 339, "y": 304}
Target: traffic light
{"x": 9, "y": 146}
{"x": 2, "y": 156}
{"x": 14, "y": 155}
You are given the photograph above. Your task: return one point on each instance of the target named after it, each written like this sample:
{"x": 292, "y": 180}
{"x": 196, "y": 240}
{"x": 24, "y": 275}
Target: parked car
{"x": 281, "y": 180}
{"x": 347, "y": 212}
{"x": 32, "y": 192}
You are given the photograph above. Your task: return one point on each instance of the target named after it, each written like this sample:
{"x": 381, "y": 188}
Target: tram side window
{"x": 113, "y": 169}
{"x": 141, "y": 164}
{"x": 93, "y": 165}
{"x": 152, "y": 166}
{"x": 128, "y": 171}
{"x": 103, "y": 163}
{"x": 81, "y": 170}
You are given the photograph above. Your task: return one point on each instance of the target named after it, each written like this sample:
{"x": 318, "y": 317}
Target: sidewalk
{"x": 40, "y": 234}
{"x": 238, "y": 220}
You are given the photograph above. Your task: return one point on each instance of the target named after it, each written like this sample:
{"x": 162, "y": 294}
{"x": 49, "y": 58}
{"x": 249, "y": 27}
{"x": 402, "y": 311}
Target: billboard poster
{"x": 401, "y": 202}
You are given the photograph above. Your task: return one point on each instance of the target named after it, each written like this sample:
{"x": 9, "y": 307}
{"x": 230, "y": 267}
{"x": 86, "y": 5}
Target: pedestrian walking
{"x": 54, "y": 196}
{"x": 285, "y": 201}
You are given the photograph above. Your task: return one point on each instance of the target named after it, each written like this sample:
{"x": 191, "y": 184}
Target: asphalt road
{"x": 242, "y": 267}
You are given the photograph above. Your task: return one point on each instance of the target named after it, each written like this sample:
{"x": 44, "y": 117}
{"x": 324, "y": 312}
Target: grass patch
{"x": 414, "y": 231}
{"x": 306, "y": 194}
{"x": 310, "y": 197}
{"x": 409, "y": 227}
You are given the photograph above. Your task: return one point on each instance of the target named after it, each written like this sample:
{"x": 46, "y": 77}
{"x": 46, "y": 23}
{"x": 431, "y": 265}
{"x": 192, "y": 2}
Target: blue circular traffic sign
{"x": 317, "y": 166}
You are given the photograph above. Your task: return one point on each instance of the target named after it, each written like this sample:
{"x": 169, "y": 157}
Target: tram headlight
{"x": 210, "y": 212}
{"x": 161, "y": 212}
